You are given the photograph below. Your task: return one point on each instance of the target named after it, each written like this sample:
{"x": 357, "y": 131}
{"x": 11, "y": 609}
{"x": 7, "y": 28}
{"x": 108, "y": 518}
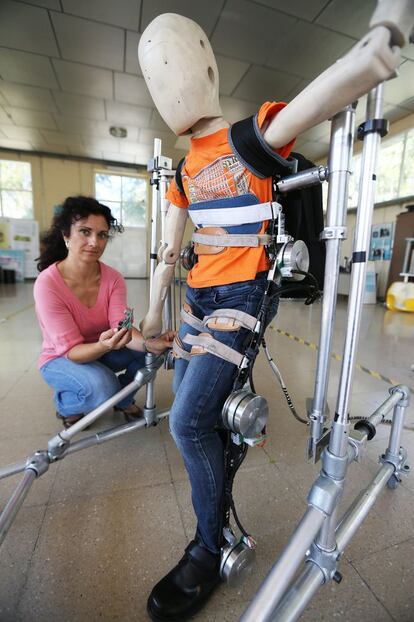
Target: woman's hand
{"x": 114, "y": 339}
{"x": 158, "y": 345}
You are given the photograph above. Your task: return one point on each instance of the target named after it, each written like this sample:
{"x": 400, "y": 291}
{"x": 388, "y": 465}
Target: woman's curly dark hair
{"x": 73, "y": 209}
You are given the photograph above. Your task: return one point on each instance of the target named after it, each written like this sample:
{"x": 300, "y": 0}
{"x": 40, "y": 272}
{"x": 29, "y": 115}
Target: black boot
{"x": 184, "y": 590}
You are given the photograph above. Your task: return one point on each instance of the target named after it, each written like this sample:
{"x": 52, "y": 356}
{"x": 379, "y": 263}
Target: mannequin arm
{"x": 151, "y": 325}
{"x": 370, "y": 62}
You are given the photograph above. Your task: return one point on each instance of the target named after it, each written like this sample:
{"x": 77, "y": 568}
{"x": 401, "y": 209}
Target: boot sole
{"x": 187, "y": 614}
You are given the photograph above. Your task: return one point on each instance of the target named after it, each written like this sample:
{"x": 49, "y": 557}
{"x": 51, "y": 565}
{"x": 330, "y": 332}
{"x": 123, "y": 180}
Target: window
{"x": 125, "y": 195}
{"x": 16, "y": 197}
{"x": 395, "y": 170}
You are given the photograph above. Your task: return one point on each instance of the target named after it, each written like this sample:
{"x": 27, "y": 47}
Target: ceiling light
{"x": 118, "y": 132}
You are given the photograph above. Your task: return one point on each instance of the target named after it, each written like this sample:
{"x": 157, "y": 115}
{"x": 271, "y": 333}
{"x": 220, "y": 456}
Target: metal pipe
{"x": 325, "y": 540}
{"x": 15, "y": 502}
{"x": 339, "y": 167}
{"x": 378, "y": 415}
{"x": 360, "y": 508}
{"x": 108, "y": 435}
{"x": 300, "y": 594}
{"x": 304, "y": 179}
{"x": 338, "y": 444}
{"x": 12, "y": 469}
{"x": 275, "y": 584}
{"x": 66, "y": 435}
{"x": 393, "y": 448}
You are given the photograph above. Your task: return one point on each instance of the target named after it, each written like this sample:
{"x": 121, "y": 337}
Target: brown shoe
{"x": 67, "y": 422}
{"x": 131, "y": 413}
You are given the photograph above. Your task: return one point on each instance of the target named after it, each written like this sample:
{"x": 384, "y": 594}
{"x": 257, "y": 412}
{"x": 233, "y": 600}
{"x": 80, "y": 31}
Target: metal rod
{"x": 274, "y": 586}
{"x": 393, "y": 448}
{"x": 97, "y": 412}
{"x": 12, "y": 469}
{"x": 338, "y": 444}
{"x": 304, "y": 179}
{"x": 339, "y": 167}
{"x": 378, "y": 415}
{"x": 301, "y": 593}
{"x": 360, "y": 508}
{"x": 108, "y": 435}
{"x": 15, "y": 502}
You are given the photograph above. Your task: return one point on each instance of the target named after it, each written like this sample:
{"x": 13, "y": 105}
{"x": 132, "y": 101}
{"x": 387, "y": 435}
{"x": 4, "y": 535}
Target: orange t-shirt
{"x": 212, "y": 171}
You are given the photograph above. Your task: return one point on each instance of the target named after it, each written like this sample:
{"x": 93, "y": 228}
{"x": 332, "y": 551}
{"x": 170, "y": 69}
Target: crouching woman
{"x": 79, "y": 303}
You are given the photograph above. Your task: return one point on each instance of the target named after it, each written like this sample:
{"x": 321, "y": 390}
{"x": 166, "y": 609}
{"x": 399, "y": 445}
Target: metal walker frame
{"x": 320, "y": 538}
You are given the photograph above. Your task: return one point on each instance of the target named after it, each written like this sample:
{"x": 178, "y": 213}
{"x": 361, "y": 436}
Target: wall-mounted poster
{"x": 381, "y": 242}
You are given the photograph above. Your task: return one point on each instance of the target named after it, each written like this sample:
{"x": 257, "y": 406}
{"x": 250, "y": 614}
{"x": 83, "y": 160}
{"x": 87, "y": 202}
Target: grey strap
{"x": 179, "y": 352}
{"x": 192, "y": 320}
{"x": 245, "y": 320}
{"x": 213, "y": 346}
{"x": 232, "y": 239}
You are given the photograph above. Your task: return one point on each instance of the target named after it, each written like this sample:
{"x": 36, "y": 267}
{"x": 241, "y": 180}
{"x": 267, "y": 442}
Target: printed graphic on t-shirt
{"x": 225, "y": 177}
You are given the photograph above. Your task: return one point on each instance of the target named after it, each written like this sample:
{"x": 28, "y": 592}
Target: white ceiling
{"x": 69, "y": 70}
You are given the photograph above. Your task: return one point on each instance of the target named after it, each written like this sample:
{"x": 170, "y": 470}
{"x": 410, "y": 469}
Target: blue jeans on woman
{"x": 201, "y": 387}
{"x": 82, "y": 387}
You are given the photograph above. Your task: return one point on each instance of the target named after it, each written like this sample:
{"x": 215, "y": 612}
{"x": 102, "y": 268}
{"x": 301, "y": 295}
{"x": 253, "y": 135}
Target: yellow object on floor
{"x": 400, "y": 297}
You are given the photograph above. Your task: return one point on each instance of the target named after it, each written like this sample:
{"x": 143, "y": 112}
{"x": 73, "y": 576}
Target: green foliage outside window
{"x": 125, "y": 195}
{"x": 16, "y": 197}
{"x": 395, "y": 170}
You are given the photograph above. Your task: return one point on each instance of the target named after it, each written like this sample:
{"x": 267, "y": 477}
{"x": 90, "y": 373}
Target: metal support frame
{"x": 61, "y": 445}
{"x": 320, "y": 538}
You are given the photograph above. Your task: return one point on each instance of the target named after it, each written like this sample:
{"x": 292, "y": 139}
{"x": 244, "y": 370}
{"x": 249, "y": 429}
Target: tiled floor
{"x": 103, "y": 525}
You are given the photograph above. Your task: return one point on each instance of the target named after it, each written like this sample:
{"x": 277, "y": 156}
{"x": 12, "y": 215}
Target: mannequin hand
{"x": 157, "y": 345}
{"x": 114, "y": 339}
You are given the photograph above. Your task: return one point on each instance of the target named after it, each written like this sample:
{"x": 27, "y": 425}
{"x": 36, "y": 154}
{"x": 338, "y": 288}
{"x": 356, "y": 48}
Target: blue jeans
{"x": 201, "y": 387}
{"x": 82, "y": 387}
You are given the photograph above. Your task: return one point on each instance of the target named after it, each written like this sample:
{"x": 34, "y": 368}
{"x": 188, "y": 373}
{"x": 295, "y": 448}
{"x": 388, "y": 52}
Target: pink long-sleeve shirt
{"x": 65, "y": 321}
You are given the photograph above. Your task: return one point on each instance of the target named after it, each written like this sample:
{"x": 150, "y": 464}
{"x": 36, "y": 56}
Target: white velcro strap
{"x": 192, "y": 320}
{"x": 232, "y": 239}
{"x": 230, "y": 216}
{"x": 179, "y": 352}
{"x": 213, "y": 346}
{"x": 241, "y": 318}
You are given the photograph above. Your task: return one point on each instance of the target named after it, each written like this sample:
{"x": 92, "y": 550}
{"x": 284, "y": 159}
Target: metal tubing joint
{"x": 57, "y": 448}
{"x": 334, "y": 466}
{"x": 405, "y": 394}
{"x": 150, "y": 416}
{"x": 334, "y": 233}
{"x": 326, "y": 561}
{"x": 325, "y": 493}
{"x": 39, "y": 462}
{"x": 398, "y": 462}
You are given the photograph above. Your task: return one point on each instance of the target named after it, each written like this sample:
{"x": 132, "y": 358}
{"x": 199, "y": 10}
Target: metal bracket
{"x": 334, "y": 233}
{"x": 399, "y": 463}
{"x": 57, "y": 448}
{"x": 358, "y": 442}
{"x": 39, "y": 462}
{"x": 315, "y": 448}
{"x": 327, "y": 561}
{"x": 159, "y": 162}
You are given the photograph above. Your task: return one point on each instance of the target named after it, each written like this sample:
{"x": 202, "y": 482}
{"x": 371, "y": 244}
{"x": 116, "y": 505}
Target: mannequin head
{"x": 180, "y": 70}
